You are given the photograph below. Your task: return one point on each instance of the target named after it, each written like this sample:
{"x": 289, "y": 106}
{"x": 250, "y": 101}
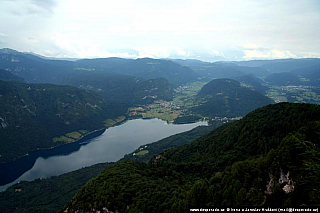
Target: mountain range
{"x": 270, "y": 157}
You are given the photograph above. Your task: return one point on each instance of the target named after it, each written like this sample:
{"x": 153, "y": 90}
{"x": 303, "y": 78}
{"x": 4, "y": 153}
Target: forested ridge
{"x": 32, "y": 115}
{"x": 269, "y": 158}
{"x": 226, "y": 97}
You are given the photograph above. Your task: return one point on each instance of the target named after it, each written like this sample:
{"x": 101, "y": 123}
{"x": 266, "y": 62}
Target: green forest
{"x": 32, "y": 115}
{"x": 269, "y": 158}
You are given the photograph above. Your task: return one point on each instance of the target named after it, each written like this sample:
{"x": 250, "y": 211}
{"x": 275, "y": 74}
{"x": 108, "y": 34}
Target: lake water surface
{"x": 111, "y": 146}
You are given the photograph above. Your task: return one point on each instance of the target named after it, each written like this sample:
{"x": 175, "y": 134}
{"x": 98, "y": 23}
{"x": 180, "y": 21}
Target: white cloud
{"x": 267, "y": 54}
{"x": 4, "y": 35}
{"x": 29, "y": 7}
{"x": 216, "y": 53}
{"x": 161, "y": 52}
{"x": 213, "y": 30}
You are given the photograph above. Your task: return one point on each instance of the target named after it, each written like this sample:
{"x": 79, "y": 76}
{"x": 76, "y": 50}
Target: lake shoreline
{"x": 36, "y": 153}
{"x": 53, "y": 147}
{"x": 121, "y": 140}
{"x": 29, "y": 159}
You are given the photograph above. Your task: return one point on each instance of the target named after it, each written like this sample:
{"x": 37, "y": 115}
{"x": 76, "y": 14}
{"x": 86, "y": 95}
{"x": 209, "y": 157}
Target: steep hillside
{"x": 252, "y": 82}
{"x": 150, "y": 90}
{"x": 148, "y": 68}
{"x": 256, "y": 71}
{"x": 219, "y": 71}
{"x": 145, "y": 68}
{"x": 256, "y": 134}
{"x": 48, "y": 194}
{"x": 226, "y": 97}
{"x": 31, "y": 70}
{"x": 156, "y": 148}
{"x": 312, "y": 75}
{"x": 8, "y": 76}
{"x": 269, "y": 158}
{"x": 287, "y": 65}
{"x": 283, "y": 79}
{"x": 122, "y": 88}
{"x": 36, "y": 115}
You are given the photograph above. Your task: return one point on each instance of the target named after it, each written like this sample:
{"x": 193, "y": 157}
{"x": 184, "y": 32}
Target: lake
{"x": 109, "y": 146}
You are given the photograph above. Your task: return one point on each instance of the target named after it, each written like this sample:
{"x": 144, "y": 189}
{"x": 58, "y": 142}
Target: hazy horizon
{"x": 205, "y": 30}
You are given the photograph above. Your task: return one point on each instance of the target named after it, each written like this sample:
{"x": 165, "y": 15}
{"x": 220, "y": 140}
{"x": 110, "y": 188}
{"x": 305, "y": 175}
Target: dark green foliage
{"x": 287, "y": 65}
{"x": 169, "y": 142}
{"x": 219, "y": 71}
{"x": 311, "y": 73}
{"x": 145, "y": 68}
{"x": 8, "y": 76}
{"x": 154, "y": 89}
{"x": 254, "y": 135}
{"x": 113, "y": 87}
{"x": 252, "y": 82}
{"x": 31, "y": 115}
{"x": 51, "y": 193}
{"x": 122, "y": 88}
{"x": 227, "y": 98}
{"x": 283, "y": 79}
{"x": 186, "y": 119}
{"x": 288, "y": 159}
{"x": 135, "y": 187}
{"x": 228, "y": 167}
{"x": 255, "y": 71}
{"x": 148, "y": 68}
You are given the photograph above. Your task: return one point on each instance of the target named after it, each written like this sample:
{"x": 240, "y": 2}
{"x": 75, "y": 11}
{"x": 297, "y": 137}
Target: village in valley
{"x": 180, "y": 106}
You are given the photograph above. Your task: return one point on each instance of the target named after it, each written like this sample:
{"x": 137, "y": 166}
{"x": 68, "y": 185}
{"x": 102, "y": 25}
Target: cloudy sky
{"x": 208, "y": 30}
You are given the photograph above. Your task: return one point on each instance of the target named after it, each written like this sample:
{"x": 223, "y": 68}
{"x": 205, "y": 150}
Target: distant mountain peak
{"x": 9, "y": 51}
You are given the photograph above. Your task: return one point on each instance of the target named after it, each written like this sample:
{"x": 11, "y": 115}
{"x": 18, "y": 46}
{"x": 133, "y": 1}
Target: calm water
{"x": 111, "y": 146}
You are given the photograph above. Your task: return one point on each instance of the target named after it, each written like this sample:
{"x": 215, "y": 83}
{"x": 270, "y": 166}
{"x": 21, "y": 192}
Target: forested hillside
{"x": 252, "y": 82}
{"x": 122, "y": 88}
{"x": 269, "y": 158}
{"x": 129, "y": 81}
{"x": 47, "y": 194}
{"x": 8, "y": 76}
{"x": 226, "y": 97}
{"x": 36, "y": 116}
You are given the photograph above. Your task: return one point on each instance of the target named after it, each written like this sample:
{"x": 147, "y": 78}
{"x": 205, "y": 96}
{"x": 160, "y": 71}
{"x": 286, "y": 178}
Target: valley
{"x": 296, "y": 94}
{"x": 183, "y": 99}
{"x": 159, "y": 106}
{"x": 62, "y": 116}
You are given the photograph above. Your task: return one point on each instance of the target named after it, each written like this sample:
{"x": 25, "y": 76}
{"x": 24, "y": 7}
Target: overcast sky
{"x": 208, "y": 30}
